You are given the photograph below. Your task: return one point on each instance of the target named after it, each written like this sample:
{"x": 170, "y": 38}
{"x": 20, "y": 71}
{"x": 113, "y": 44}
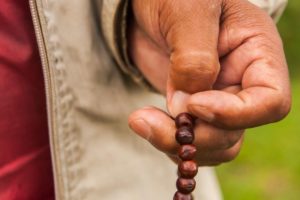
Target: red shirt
{"x": 25, "y": 162}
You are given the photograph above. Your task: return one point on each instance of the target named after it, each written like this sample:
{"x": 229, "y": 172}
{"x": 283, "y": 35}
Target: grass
{"x": 268, "y": 167}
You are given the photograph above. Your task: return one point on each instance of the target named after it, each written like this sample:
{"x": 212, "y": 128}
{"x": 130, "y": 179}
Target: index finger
{"x": 258, "y": 55}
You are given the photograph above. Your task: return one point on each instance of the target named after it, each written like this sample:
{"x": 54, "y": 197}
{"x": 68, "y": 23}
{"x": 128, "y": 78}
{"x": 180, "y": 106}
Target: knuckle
{"x": 284, "y": 108}
{"x": 229, "y": 155}
{"x": 230, "y": 139}
{"x": 281, "y": 107}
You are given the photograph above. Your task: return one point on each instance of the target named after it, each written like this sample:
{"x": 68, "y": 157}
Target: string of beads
{"x": 187, "y": 167}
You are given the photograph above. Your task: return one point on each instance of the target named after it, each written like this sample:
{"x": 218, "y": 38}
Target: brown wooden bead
{"x": 185, "y": 186}
{"x": 184, "y": 135}
{"x": 184, "y": 119}
{"x": 180, "y": 196}
{"x": 188, "y": 169}
{"x": 187, "y": 152}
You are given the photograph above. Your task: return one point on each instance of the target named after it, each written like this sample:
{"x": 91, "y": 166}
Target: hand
{"x": 181, "y": 45}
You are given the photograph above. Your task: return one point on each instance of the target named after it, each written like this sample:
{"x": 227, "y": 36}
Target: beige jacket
{"x": 94, "y": 155}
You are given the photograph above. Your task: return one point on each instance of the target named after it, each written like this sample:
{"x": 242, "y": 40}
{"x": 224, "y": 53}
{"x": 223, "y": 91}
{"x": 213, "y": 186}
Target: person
{"x": 220, "y": 60}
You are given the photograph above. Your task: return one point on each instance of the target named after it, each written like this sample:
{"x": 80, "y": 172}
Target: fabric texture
{"x": 113, "y": 20}
{"x": 25, "y": 163}
{"x": 274, "y": 8}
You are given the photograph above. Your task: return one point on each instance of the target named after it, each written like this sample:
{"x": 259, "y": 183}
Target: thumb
{"x": 191, "y": 31}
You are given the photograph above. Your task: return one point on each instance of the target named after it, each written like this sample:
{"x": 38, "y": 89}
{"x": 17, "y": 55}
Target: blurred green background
{"x": 268, "y": 167}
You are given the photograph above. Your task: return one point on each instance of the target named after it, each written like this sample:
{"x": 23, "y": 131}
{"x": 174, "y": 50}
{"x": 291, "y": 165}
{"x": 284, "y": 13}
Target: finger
{"x": 212, "y": 158}
{"x": 210, "y": 138}
{"x": 216, "y": 157}
{"x": 239, "y": 37}
{"x": 191, "y": 32}
{"x": 233, "y": 66}
{"x": 192, "y": 35}
{"x": 158, "y": 128}
{"x": 265, "y": 94}
{"x": 251, "y": 107}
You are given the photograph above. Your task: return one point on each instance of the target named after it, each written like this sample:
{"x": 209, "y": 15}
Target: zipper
{"x": 48, "y": 92}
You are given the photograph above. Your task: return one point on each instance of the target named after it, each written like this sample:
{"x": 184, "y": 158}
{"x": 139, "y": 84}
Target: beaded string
{"x": 187, "y": 167}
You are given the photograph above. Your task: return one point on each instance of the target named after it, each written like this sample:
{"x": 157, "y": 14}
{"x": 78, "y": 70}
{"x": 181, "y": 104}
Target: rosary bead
{"x": 185, "y": 135}
{"x": 187, "y": 152}
{"x": 188, "y": 169}
{"x": 180, "y": 196}
{"x": 184, "y": 119}
{"x": 185, "y": 186}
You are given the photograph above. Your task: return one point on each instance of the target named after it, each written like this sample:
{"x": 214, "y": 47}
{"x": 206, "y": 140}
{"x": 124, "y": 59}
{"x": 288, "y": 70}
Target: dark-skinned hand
{"x": 220, "y": 60}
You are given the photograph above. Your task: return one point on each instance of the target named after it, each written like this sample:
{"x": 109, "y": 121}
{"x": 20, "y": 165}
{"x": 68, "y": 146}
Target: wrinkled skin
{"x": 221, "y": 60}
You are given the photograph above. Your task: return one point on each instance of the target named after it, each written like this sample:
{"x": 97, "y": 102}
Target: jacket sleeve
{"x": 113, "y": 15}
{"x": 274, "y": 8}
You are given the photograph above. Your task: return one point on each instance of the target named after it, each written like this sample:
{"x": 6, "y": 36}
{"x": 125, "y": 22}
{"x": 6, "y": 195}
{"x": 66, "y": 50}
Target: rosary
{"x": 187, "y": 167}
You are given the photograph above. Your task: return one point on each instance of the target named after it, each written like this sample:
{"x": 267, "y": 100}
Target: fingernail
{"x": 141, "y": 127}
{"x": 203, "y": 113}
{"x": 178, "y": 103}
